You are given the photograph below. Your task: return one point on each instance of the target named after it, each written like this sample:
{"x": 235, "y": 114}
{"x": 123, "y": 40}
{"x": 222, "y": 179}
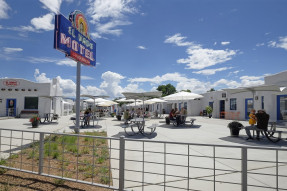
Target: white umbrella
{"x": 180, "y": 96}
{"x": 107, "y": 103}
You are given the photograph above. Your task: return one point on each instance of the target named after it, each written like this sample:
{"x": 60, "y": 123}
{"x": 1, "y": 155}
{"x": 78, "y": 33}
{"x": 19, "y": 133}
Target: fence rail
{"x": 132, "y": 164}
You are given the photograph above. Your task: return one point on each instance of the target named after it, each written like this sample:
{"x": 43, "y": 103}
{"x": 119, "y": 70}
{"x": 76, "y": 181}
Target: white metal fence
{"x": 134, "y": 164}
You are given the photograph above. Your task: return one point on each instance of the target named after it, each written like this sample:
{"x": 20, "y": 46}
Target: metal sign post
{"x": 78, "y": 94}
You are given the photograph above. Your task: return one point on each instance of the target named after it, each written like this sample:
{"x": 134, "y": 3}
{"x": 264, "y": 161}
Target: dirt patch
{"x": 84, "y": 158}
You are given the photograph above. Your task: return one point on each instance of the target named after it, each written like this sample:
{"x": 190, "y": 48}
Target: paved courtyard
{"x": 204, "y": 131}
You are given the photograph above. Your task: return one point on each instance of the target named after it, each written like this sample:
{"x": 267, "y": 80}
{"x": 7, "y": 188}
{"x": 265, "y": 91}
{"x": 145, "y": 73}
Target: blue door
{"x": 11, "y": 107}
{"x": 248, "y": 107}
{"x": 222, "y": 109}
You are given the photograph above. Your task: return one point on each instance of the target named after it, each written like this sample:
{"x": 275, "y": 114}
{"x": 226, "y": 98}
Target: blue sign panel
{"x": 72, "y": 38}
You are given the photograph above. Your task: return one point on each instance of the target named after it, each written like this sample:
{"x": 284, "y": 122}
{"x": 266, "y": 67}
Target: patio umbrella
{"x": 107, "y": 103}
{"x": 180, "y": 96}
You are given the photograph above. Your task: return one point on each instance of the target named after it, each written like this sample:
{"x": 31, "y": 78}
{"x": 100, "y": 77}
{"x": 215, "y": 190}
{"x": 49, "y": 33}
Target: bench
{"x": 192, "y": 121}
{"x": 152, "y": 128}
{"x": 269, "y": 134}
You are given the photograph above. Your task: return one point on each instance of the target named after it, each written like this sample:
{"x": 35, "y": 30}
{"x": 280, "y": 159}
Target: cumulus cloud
{"x": 44, "y": 22}
{"x": 52, "y": 5}
{"x": 60, "y": 62}
{"x": 203, "y": 57}
{"x": 109, "y": 15}
{"x": 4, "y": 8}
{"x": 211, "y": 71}
{"x": 225, "y": 43}
{"x": 200, "y": 58}
{"x": 141, "y": 47}
{"x": 12, "y": 50}
{"x": 282, "y": 43}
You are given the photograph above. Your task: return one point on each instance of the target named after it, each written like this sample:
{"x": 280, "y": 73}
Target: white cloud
{"x": 202, "y": 58}
{"x": 52, "y": 5}
{"x": 225, "y": 43}
{"x": 260, "y": 44}
{"x": 282, "y": 43}
{"x": 60, "y": 62}
{"x": 178, "y": 40}
{"x": 67, "y": 62}
{"x": 199, "y": 57}
{"x": 12, "y": 50}
{"x": 41, "y": 78}
{"x": 212, "y": 71}
{"x": 108, "y": 15}
{"x": 87, "y": 78}
{"x": 4, "y": 8}
{"x": 44, "y": 22}
{"x": 110, "y": 84}
{"x": 141, "y": 47}
{"x": 110, "y": 27}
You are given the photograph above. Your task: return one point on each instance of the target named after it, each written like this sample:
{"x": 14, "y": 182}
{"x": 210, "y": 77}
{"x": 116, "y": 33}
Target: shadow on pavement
{"x": 136, "y": 136}
{"x": 171, "y": 126}
{"x": 253, "y": 142}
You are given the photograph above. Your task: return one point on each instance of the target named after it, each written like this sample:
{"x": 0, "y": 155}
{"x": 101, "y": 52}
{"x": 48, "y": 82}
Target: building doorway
{"x": 248, "y": 107}
{"x": 11, "y": 107}
{"x": 222, "y": 109}
{"x": 282, "y": 107}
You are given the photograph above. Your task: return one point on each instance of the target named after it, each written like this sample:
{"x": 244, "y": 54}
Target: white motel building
{"x": 21, "y": 98}
{"x": 236, "y": 104}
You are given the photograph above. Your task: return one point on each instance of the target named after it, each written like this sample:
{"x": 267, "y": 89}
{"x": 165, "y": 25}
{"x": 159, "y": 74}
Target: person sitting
{"x": 183, "y": 114}
{"x": 262, "y": 121}
{"x": 87, "y": 116}
{"x": 127, "y": 116}
{"x": 172, "y": 114}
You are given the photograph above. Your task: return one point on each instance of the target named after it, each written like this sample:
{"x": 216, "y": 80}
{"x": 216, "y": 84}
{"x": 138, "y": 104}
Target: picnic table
{"x": 139, "y": 124}
{"x": 49, "y": 117}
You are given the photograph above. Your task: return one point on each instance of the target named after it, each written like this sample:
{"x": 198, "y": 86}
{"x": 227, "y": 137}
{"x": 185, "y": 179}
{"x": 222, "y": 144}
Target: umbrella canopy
{"x": 96, "y": 100}
{"x": 142, "y": 96}
{"x": 107, "y": 103}
{"x": 157, "y": 100}
{"x": 125, "y": 100}
{"x": 180, "y": 96}
{"x": 253, "y": 89}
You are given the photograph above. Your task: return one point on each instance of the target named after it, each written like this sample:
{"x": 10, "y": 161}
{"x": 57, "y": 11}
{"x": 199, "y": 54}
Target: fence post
{"x": 41, "y": 153}
{"x": 122, "y": 164}
{"x": 243, "y": 169}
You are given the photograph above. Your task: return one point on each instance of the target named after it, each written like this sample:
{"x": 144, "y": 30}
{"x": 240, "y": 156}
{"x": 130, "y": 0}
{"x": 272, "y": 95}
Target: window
{"x": 262, "y": 102}
{"x": 233, "y": 104}
{"x": 31, "y": 103}
{"x": 223, "y": 95}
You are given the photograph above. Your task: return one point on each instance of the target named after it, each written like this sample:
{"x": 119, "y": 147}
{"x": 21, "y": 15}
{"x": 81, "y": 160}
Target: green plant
{"x": 208, "y": 110}
{"x": 34, "y": 119}
{"x": 235, "y": 125}
{"x": 3, "y": 162}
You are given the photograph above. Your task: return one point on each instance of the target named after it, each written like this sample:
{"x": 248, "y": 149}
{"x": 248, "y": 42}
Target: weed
{"x": 3, "y": 162}
{"x": 59, "y": 181}
{"x": 14, "y": 156}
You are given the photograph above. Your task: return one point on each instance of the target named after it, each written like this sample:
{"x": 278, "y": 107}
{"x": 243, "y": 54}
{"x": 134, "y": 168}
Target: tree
{"x": 211, "y": 90}
{"x": 187, "y": 90}
{"x": 166, "y": 89}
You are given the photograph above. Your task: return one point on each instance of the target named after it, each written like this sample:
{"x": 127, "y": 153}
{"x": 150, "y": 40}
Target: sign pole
{"x": 78, "y": 93}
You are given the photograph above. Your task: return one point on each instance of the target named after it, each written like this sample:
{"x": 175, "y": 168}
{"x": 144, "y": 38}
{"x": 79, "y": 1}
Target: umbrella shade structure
{"x": 253, "y": 89}
{"x": 125, "y": 100}
{"x": 157, "y": 100}
{"x": 107, "y": 103}
{"x": 180, "y": 96}
{"x": 142, "y": 96}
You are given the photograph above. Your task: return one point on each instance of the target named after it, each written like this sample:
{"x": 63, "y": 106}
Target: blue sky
{"x": 141, "y": 44}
